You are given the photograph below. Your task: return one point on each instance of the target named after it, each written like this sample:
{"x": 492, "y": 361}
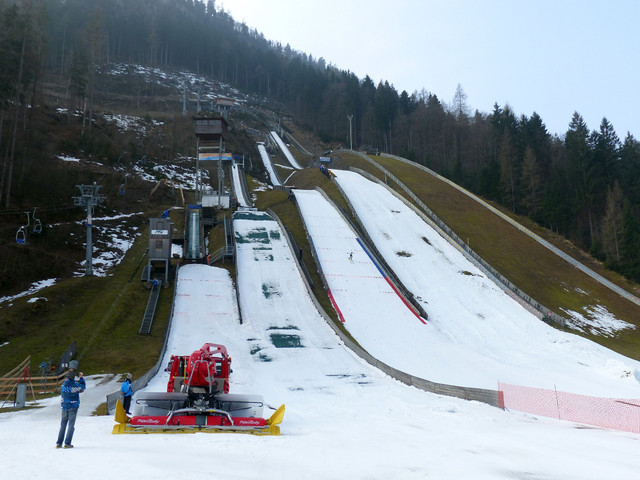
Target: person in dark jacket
{"x": 70, "y": 401}
{"x": 127, "y": 392}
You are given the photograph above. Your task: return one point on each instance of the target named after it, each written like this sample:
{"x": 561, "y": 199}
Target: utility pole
{"x": 220, "y": 173}
{"x": 88, "y": 198}
{"x": 197, "y": 192}
{"x": 350, "y": 117}
{"x": 184, "y": 99}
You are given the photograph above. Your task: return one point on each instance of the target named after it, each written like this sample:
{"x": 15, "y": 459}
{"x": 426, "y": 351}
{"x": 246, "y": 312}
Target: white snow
{"x": 112, "y": 237}
{"x": 237, "y": 186}
{"x": 344, "y": 418}
{"x": 130, "y": 123}
{"x": 266, "y": 160}
{"x": 599, "y": 321}
{"x": 67, "y": 158}
{"x": 285, "y": 150}
{"x": 34, "y": 288}
{"x": 471, "y": 320}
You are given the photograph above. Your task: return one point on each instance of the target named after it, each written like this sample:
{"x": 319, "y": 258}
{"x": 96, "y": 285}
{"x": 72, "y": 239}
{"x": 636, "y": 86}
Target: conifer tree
{"x": 630, "y": 245}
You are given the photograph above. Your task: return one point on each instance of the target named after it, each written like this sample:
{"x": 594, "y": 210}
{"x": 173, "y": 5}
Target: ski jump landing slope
{"x": 344, "y": 418}
{"x": 285, "y": 150}
{"x": 238, "y": 186}
{"x": 289, "y": 337}
{"x": 268, "y": 164}
{"x": 476, "y": 335}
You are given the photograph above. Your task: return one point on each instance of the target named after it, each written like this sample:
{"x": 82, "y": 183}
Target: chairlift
{"x": 123, "y": 186}
{"x": 37, "y": 224}
{"x": 21, "y": 234}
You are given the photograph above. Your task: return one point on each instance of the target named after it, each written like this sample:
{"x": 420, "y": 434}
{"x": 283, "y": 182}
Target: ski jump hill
{"x": 355, "y": 407}
{"x": 472, "y": 322}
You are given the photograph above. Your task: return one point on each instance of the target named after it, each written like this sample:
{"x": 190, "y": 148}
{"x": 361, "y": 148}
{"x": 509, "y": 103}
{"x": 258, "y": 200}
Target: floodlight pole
{"x": 350, "y": 117}
{"x": 220, "y": 173}
{"x": 89, "y": 198}
{"x": 197, "y": 201}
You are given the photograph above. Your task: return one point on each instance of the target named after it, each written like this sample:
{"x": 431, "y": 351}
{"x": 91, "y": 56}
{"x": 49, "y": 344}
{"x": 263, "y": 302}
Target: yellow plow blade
{"x": 121, "y": 415}
{"x": 123, "y": 426}
{"x": 277, "y": 416}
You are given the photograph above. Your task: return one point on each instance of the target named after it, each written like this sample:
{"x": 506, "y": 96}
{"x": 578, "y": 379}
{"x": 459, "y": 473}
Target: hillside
{"x": 129, "y": 155}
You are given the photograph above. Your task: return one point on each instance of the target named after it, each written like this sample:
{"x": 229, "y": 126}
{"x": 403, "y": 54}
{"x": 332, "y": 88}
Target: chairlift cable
{"x": 21, "y": 211}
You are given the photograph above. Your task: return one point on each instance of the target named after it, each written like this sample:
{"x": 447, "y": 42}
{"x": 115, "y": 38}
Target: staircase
{"x": 150, "y": 311}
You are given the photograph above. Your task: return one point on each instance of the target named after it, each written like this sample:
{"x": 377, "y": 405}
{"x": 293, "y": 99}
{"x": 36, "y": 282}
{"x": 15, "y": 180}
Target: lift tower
{"x": 89, "y": 198}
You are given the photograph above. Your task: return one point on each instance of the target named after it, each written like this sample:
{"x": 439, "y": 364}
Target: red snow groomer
{"x": 198, "y": 400}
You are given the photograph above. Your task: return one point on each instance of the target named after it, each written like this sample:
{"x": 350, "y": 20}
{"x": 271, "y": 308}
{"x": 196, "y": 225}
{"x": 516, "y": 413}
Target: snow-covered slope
{"x": 238, "y": 186}
{"x": 285, "y": 150}
{"x": 344, "y": 418}
{"x": 476, "y": 334}
{"x": 264, "y": 155}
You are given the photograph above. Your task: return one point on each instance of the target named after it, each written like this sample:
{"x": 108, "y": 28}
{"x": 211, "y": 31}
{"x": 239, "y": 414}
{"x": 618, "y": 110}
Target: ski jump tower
{"x": 210, "y": 131}
{"x": 210, "y": 138}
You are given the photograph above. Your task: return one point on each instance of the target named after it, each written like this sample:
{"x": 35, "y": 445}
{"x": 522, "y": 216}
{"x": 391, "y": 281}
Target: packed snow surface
{"x": 238, "y": 185}
{"x": 344, "y": 418}
{"x": 285, "y": 150}
{"x": 476, "y": 334}
{"x": 268, "y": 164}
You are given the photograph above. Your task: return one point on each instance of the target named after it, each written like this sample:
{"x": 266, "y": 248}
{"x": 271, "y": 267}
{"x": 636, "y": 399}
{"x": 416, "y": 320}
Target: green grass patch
{"x": 283, "y": 340}
{"x": 270, "y": 291}
{"x": 101, "y": 314}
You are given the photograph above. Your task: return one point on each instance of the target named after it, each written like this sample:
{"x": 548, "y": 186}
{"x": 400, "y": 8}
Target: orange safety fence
{"x": 614, "y": 413}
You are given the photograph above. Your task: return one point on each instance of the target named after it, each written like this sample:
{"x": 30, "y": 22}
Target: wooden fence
{"x": 36, "y": 385}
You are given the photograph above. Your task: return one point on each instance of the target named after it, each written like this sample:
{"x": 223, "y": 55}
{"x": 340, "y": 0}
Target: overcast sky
{"x": 553, "y": 57}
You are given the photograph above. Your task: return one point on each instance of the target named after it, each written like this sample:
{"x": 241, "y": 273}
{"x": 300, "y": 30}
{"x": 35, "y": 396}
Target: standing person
{"x": 127, "y": 392}
{"x": 70, "y": 401}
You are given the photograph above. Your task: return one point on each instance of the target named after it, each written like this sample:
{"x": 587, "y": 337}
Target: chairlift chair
{"x": 37, "y": 224}
{"x": 21, "y": 234}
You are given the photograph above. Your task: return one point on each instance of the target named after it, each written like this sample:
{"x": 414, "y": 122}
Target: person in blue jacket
{"x": 70, "y": 401}
{"x": 127, "y": 392}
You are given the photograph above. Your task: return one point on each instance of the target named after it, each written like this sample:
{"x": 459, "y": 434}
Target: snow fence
{"x": 614, "y": 413}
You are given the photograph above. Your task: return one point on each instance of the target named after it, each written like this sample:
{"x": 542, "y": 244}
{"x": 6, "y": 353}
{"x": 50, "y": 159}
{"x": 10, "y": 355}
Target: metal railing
{"x": 150, "y": 311}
